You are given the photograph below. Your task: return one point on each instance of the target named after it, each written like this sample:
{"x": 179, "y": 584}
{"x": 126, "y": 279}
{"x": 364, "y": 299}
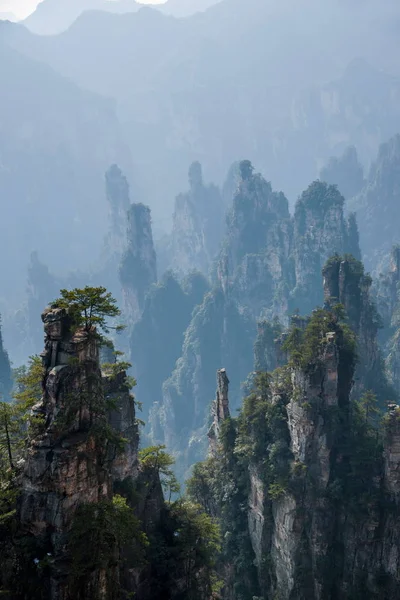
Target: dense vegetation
{"x": 254, "y": 449}
{"x": 170, "y": 541}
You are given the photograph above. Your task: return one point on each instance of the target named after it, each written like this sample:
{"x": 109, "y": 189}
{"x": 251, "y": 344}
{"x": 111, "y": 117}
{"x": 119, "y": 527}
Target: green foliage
{"x": 90, "y": 308}
{"x": 183, "y": 551}
{"x": 368, "y": 407}
{"x": 264, "y": 346}
{"x": 199, "y": 488}
{"x": 28, "y": 383}
{"x": 320, "y": 196}
{"x": 276, "y": 491}
{"x": 198, "y": 544}
{"x": 155, "y": 458}
{"x": 305, "y": 347}
{"x": 99, "y": 533}
{"x": 11, "y": 438}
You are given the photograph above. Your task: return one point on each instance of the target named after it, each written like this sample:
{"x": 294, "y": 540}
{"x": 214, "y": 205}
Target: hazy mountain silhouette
{"x": 55, "y": 16}
{"x": 257, "y": 78}
{"x": 55, "y": 145}
{"x": 263, "y": 79}
{"x": 185, "y": 8}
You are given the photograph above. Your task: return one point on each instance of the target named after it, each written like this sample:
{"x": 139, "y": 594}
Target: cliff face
{"x": 387, "y": 296}
{"x": 72, "y": 462}
{"x": 269, "y": 265}
{"x": 138, "y": 270}
{"x": 322, "y": 485}
{"x": 216, "y": 330}
{"x": 320, "y": 231}
{"x": 197, "y": 225}
{"x": 346, "y": 283}
{"x": 270, "y": 262}
{"x": 117, "y": 193}
{"x": 82, "y": 511}
{"x": 220, "y": 409}
{"x": 320, "y": 547}
{"x": 254, "y": 262}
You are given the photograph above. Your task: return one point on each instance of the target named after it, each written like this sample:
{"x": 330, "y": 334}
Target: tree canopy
{"x": 90, "y": 308}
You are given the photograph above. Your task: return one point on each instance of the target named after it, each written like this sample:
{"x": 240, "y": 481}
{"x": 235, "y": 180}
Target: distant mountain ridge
{"x": 57, "y": 141}
{"x": 206, "y": 89}
{"x": 55, "y": 16}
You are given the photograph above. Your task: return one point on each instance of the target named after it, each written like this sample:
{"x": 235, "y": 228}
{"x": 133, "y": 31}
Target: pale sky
{"x": 22, "y": 8}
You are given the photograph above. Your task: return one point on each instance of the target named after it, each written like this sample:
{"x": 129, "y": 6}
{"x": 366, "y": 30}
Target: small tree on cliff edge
{"x": 90, "y": 308}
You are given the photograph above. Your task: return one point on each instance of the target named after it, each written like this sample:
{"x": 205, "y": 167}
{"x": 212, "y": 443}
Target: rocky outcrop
{"x": 386, "y": 289}
{"x": 322, "y": 521}
{"x": 346, "y": 283}
{"x": 117, "y": 193}
{"x": 216, "y": 331}
{"x": 269, "y": 265}
{"x": 320, "y": 231}
{"x": 387, "y": 297}
{"x": 72, "y": 461}
{"x": 267, "y": 353}
{"x": 197, "y": 225}
{"x": 138, "y": 270}
{"x": 220, "y": 409}
{"x": 254, "y": 263}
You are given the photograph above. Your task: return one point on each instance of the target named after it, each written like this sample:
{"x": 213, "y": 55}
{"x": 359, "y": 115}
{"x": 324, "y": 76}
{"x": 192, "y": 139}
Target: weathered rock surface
{"x": 386, "y": 290}
{"x": 197, "y": 225}
{"x": 269, "y": 265}
{"x": 138, "y": 270}
{"x": 330, "y": 530}
{"x": 320, "y": 231}
{"x": 216, "y": 331}
{"x": 346, "y": 283}
{"x": 220, "y": 409}
{"x": 70, "y": 464}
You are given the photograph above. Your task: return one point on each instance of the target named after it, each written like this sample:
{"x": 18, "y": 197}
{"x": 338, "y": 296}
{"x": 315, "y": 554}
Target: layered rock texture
{"x": 387, "y": 295}
{"x": 346, "y": 283}
{"x": 118, "y": 197}
{"x": 316, "y": 487}
{"x": 220, "y": 409}
{"x": 320, "y": 231}
{"x": 73, "y": 462}
{"x": 215, "y": 332}
{"x": 198, "y": 222}
{"x": 269, "y": 266}
{"x": 138, "y": 270}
